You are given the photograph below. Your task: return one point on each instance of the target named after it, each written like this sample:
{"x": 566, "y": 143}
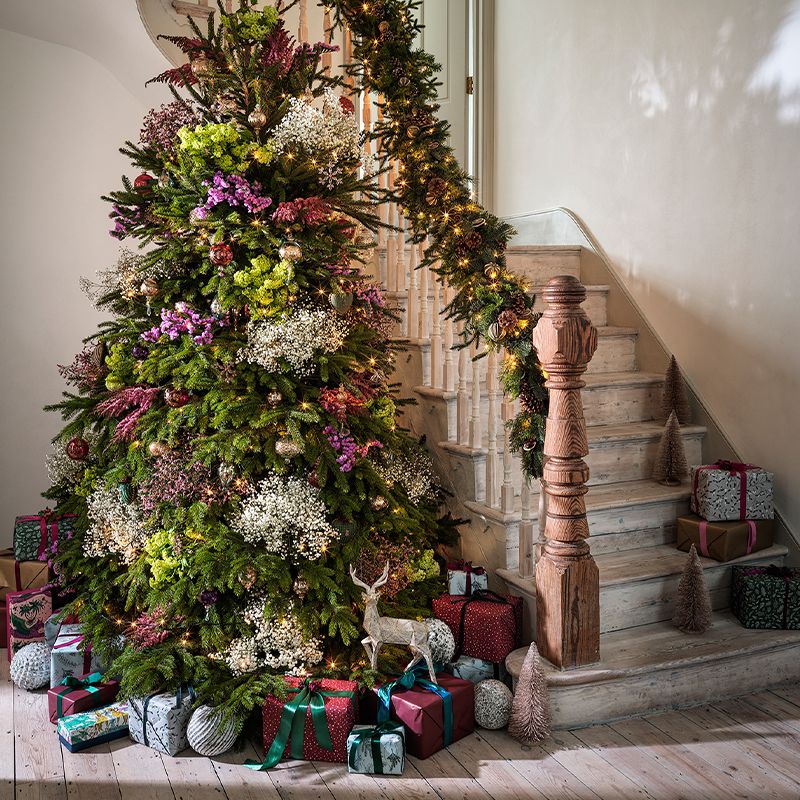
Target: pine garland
{"x": 467, "y": 242}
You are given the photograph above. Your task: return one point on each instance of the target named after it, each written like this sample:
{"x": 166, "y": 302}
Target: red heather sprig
{"x": 138, "y": 398}
{"x": 173, "y": 480}
{"x": 160, "y": 126}
{"x": 83, "y": 372}
{"x": 311, "y": 211}
{"x": 340, "y": 402}
{"x": 148, "y": 630}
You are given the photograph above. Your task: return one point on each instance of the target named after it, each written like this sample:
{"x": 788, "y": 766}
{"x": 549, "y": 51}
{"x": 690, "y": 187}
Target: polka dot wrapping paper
{"x": 492, "y": 623}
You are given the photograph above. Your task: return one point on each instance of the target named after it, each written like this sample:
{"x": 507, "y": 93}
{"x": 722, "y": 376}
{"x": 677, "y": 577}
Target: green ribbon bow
{"x": 407, "y": 681}
{"x": 71, "y": 682}
{"x": 373, "y": 735}
{"x": 292, "y": 726}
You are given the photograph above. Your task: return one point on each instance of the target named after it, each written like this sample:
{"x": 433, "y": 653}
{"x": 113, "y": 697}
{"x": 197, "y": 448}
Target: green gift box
{"x": 89, "y": 728}
{"x": 35, "y": 533}
{"x": 766, "y": 597}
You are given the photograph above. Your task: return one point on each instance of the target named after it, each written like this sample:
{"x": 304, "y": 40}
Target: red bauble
{"x": 142, "y": 183}
{"x": 175, "y": 398}
{"x": 220, "y": 254}
{"x": 347, "y": 105}
{"x": 77, "y": 448}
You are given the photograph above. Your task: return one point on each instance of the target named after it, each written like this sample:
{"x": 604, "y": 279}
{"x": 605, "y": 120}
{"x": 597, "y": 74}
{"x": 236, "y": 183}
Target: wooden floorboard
{"x": 742, "y": 749}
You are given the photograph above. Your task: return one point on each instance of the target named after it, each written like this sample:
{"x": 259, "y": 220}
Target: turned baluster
{"x": 449, "y": 377}
{"x": 349, "y": 80}
{"x": 567, "y": 583}
{"x": 436, "y": 336}
{"x": 412, "y": 309}
{"x": 491, "y": 432}
{"x": 400, "y": 246}
{"x": 327, "y": 37}
{"x": 507, "y": 412}
{"x": 302, "y": 26}
{"x": 424, "y": 307}
{"x": 391, "y": 239}
{"x": 462, "y": 395}
{"x": 526, "y": 544}
{"x": 475, "y": 420}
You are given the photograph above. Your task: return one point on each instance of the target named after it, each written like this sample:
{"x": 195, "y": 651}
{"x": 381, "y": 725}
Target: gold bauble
{"x": 300, "y": 586}
{"x": 378, "y": 503}
{"x": 257, "y": 118}
{"x": 248, "y": 577}
{"x": 290, "y": 251}
{"x": 274, "y": 398}
{"x": 150, "y": 288}
{"x": 287, "y": 448}
{"x": 201, "y": 67}
{"x": 157, "y": 449}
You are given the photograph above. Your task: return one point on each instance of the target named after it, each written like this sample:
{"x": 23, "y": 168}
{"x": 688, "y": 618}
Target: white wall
{"x": 673, "y": 129}
{"x": 64, "y": 116}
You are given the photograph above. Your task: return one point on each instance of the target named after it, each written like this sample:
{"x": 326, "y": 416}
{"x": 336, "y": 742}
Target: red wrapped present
{"x": 434, "y": 714}
{"x": 80, "y": 694}
{"x": 3, "y": 624}
{"x": 26, "y": 614}
{"x": 312, "y": 724}
{"x": 485, "y": 625}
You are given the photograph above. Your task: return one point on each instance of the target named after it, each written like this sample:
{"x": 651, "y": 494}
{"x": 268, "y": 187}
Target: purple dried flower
{"x": 208, "y": 597}
{"x": 183, "y": 319}
{"x": 160, "y": 127}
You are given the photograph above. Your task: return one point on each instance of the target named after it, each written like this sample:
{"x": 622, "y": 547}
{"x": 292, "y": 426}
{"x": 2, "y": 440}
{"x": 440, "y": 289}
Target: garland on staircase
{"x": 467, "y": 242}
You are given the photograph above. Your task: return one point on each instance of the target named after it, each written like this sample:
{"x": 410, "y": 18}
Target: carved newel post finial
{"x": 567, "y": 583}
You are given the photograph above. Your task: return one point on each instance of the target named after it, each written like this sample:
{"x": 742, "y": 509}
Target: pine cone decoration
{"x": 469, "y": 243}
{"x": 531, "y": 399}
{"x": 507, "y": 320}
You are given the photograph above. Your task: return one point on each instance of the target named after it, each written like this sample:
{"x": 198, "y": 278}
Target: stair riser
{"x": 614, "y": 354}
{"x": 612, "y": 405}
{"x": 538, "y": 269}
{"x": 631, "y": 604}
{"x": 633, "y": 460}
{"x": 595, "y": 304}
{"x": 662, "y": 690}
{"x": 631, "y": 540}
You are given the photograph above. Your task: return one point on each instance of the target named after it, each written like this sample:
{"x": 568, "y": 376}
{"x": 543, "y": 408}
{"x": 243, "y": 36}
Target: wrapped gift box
{"x": 463, "y": 577}
{"x": 78, "y": 694}
{"x": 70, "y": 656}
{"x": 18, "y": 575}
{"x": 729, "y": 491}
{"x": 89, "y": 728}
{"x": 377, "y": 749}
{"x": 476, "y": 669}
{"x": 35, "y": 533}
{"x": 25, "y": 618}
{"x": 724, "y": 541}
{"x": 766, "y": 597}
{"x": 160, "y": 720}
{"x": 434, "y": 715}
{"x": 486, "y": 625}
{"x": 340, "y": 702}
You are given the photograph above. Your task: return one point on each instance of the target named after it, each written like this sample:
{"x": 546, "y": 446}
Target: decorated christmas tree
{"x": 231, "y": 444}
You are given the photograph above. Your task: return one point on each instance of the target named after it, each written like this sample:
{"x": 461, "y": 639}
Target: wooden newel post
{"x": 567, "y": 583}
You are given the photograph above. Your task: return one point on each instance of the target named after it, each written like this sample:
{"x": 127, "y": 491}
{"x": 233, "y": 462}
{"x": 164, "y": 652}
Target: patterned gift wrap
{"x": 377, "y": 749}
{"x": 89, "y": 728}
{"x": 724, "y": 541}
{"x": 312, "y": 723}
{"x": 160, "y": 720}
{"x": 434, "y": 714}
{"x": 25, "y": 618}
{"x": 71, "y": 656}
{"x": 766, "y": 597}
{"x": 34, "y": 533}
{"x": 464, "y": 577}
{"x": 729, "y": 490}
{"x": 476, "y": 669}
{"x": 486, "y": 625}
{"x": 78, "y": 694}
{"x": 18, "y": 575}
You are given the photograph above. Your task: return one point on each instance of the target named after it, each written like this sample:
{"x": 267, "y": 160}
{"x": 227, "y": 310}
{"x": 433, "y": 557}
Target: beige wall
{"x": 63, "y": 117}
{"x": 673, "y": 129}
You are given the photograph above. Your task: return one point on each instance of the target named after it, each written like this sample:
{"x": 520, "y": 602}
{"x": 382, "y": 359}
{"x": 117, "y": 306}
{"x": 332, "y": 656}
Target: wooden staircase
{"x": 646, "y": 664}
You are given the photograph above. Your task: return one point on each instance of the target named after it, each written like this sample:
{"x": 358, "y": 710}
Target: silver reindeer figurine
{"x": 388, "y": 630}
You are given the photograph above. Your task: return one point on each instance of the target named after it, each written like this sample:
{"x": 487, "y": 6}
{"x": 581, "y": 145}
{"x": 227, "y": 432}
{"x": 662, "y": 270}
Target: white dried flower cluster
{"x": 295, "y": 339}
{"x": 115, "y": 528}
{"x": 61, "y": 469}
{"x": 277, "y": 643}
{"x": 329, "y": 135}
{"x": 125, "y": 276}
{"x": 286, "y": 516}
{"x": 413, "y": 471}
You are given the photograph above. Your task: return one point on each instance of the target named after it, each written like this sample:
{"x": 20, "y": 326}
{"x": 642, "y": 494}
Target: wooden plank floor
{"x": 744, "y": 748}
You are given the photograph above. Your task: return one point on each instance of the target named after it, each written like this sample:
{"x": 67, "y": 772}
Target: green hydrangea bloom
{"x": 87, "y": 484}
{"x": 422, "y": 568}
{"x": 165, "y": 566}
{"x": 266, "y": 285}
{"x": 383, "y": 408}
{"x": 251, "y": 24}
{"x": 217, "y": 145}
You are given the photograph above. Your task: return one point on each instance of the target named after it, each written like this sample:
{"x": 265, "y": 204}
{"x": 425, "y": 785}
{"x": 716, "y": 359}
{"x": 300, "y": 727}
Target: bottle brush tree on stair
{"x": 530, "y": 709}
{"x": 674, "y": 397}
{"x": 670, "y": 465}
{"x": 231, "y": 443}
{"x": 692, "y": 600}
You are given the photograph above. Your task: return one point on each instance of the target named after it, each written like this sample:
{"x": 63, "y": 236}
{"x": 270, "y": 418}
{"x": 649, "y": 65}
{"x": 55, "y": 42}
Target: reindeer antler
{"x": 356, "y": 581}
{"x": 383, "y": 578}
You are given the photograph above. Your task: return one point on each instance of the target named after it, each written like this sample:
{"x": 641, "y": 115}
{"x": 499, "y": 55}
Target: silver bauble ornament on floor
{"x": 441, "y": 641}
{"x": 30, "y": 666}
{"x": 492, "y": 704}
{"x": 208, "y": 734}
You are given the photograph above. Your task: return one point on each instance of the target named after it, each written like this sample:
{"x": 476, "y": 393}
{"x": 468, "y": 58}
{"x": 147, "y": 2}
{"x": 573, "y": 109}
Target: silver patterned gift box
{"x": 384, "y": 744}
{"x": 70, "y": 657}
{"x": 160, "y": 720}
{"x": 728, "y": 491}
{"x": 464, "y": 578}
{"x": 476, "y": 669}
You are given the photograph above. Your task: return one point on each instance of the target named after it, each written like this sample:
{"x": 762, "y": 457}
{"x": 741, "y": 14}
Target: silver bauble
{"x": 287, "y": 448}
{"x": 208, "y": 734}
{"x": 441, "y": 641}
{"x": 341, "y": 301}
{"x": 30, "y": 666}
{"x": 290, "y": 251}
{"x": 492, "y": 704}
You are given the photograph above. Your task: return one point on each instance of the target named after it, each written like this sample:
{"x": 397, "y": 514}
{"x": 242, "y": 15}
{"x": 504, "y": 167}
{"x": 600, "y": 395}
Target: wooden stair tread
{"x": 544, "y": 248}
{"x": 594, "y": 380}
{"x": 632, "y": 431}
{"x": 661, "y": 646}
{"x": 628, "y": 493}
{"x": 616, "y": 330}
{"x": 630, "y": 566}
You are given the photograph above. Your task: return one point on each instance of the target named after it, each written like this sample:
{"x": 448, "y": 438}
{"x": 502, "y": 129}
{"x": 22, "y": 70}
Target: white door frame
{"x": 480, "y": 121}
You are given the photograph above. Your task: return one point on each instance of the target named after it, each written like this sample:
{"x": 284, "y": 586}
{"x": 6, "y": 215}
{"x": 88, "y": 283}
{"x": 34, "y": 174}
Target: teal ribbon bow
{"x": 373, "y": 736}
{"x": 292, "y": 727}
{"x": 407, "y": 681}
{"x": 89, "y": 683}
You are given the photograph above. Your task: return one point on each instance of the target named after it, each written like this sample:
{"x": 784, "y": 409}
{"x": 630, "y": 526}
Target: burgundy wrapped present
{"x": 82, "y": 693}
{"x": 434, "y": 715}
{"x": 26, "y": 614}
{"x": 485, "y": 625}
{"x": 312, "y": 724}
